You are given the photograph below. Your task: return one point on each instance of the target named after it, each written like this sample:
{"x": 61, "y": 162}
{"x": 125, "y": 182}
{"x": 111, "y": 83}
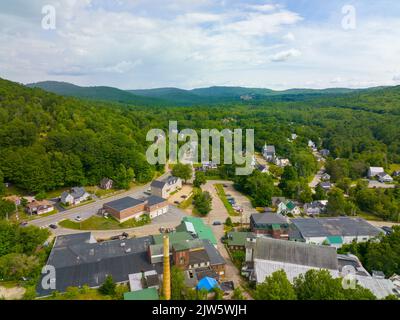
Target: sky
{"x": 136, "y": 44}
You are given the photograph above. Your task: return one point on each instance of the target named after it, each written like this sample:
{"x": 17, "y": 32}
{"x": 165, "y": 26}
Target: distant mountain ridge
{"x": 182, "y": 97}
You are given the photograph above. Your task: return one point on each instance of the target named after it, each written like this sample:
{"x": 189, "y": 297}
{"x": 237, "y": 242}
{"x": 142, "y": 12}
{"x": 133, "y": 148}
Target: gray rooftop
{"x": 124, "y": 203}
{"x": 79, "y": 263}
{"x": 296, "y": 253}
{"x": 268, "y": 218}
{"x": 153, "y": 200}
{"x": 270, "y": 149}
{"x": 338, "y": 226}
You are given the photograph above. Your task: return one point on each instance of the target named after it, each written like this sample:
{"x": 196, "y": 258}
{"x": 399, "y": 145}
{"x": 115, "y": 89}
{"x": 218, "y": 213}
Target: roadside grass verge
{"x": 224, "y": 199}
{"x": 102, "y": 223}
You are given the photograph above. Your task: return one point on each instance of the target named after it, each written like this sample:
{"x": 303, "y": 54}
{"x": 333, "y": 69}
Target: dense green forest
{"x": 48, "y": 141}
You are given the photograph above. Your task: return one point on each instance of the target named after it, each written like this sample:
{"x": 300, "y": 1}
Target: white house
{"x": 384, "y": 177}
{"x": 75, "y": 196}
{"x": 282, "y": 162}
{"x": 374, "y": 171}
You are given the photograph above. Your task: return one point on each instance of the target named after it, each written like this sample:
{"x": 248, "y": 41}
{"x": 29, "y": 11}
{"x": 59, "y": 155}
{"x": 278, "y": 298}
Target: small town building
{"x": 39, "y": 207}
{"x": 315, "y": 208}
{"x": 197, "y": 228}
{"x": 128, "y": 208}
{"x": 144, "y": 294}
{"x": 261, "y": 168}
{"x": 236, "y": 241}
{"x": 74, "y": 196}
{"x": 270, "y": 224}
{"x": 337, "y": 230}
{"x": 325, "y": 177}
{"x": 375, "y": 171}
{"x": 384, "y": 177}
{"x": 326, "y": 185}
{"x": 164, "y": 188}
{"x": 106, "y": 184}
{"x": 269, "y": 153}
{"x": 325, "y": 152}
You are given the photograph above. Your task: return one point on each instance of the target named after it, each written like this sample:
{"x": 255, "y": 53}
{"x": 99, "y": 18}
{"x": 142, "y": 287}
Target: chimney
{"x": 167, "y": 275}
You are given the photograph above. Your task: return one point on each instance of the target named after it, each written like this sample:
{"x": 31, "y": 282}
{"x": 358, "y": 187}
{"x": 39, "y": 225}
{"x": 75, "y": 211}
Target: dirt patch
{"x": 14, "y": 293}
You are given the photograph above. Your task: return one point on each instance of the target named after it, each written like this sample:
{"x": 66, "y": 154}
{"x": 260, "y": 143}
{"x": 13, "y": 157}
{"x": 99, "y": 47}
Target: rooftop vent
{"x": 123, "y": 244}
{"x": 128, "y": 250}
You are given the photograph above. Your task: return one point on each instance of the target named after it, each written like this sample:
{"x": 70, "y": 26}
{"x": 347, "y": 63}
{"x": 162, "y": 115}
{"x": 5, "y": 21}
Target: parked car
{"x": 78, "y": 218}
{"x": 217, "y": 223}
{"x": 53, "y": 226}
{"x": 387, "y": 230}
{"x": 177, "y": 202}
{"x": 23, "y": 224}
{"x": 184, "y": 197}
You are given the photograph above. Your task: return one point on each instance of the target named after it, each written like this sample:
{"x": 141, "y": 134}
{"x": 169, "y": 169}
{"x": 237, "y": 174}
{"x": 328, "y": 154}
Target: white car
{"x": 78, "y": 218}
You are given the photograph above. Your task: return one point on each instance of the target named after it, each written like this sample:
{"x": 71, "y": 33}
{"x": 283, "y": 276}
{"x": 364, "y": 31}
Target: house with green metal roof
{"x": 174, "y": 237}
{"x": 145, "y": 294}
{"x": 237, "y": 240}
{"x": 197, "y": 228}
{"x": 335, "y": 241}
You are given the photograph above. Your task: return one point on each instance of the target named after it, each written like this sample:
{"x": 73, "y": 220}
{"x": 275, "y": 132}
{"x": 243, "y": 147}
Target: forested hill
{"x": 180, "y": 97}
{"x": 96, "y": 93}
{"x": 48, "y": 141}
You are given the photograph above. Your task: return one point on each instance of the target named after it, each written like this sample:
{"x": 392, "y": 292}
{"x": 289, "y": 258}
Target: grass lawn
{"x": 88, "y": 294}
{"x": 369, "y": 216}
{"x": 188, "y": 201}
{"x": 9, "y": 284}
{"x": 222, "y": 196}
{"x": 101, "y": 223}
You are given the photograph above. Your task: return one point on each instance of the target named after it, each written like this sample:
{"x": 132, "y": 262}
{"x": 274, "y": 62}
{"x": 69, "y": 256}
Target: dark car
{"x": 217, "y": 223}
{"x": 23, "y": 224}
{"x": 387, "y": 230}
{"x": 177, "y": 202}
{"x": 53, "y": 226}
{"x": 183, "y": 197}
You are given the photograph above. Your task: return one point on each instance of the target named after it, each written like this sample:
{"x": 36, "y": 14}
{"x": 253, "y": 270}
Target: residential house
{"x": 312, "y": 144}
{"x": 384, "y": 177}
{"x": 128, "y": 208}
{"x": 316, "y": 207}
{"x": 325, "y": 152}
{"x": 326, "y": 185}
{"x": 375, "y": 171}
{"x": 264, "y": 256}
{"x": 106, "y": 184}
{"x": 325, "y": 177}
{"x": 262, "y": 168}
{"x": 277, "y": 200}
{"x": 269, "y": 153}
{"x": 75, "y": 196}
{"x": 39, "y": 207}
{"x": 280, "y": 162}
{"x": 270, "y": 224}
{"x": 288, "y": 207}
{"x": 340, "y": 230}
{"x": 164, "y": 188}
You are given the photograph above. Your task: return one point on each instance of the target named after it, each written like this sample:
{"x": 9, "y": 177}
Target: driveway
{"x": 373, "y": 184}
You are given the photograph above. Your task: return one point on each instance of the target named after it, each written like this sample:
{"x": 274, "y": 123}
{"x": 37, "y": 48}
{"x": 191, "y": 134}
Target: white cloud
{"x": 289, "y": 37}
{"x": 285, "y": 55}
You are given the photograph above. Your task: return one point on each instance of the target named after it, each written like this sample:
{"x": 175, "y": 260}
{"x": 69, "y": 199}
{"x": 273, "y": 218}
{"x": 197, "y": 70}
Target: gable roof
{"x": 237, "y": 238}
{"x": 295, "y": 253}
{"x": 268, "y": 218}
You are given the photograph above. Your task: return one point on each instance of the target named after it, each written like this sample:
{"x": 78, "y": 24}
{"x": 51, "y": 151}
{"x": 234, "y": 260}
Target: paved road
{"x": 88, "y": 210}
{"x": 219, "y": 213}
{"x": 169, "y": 220}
